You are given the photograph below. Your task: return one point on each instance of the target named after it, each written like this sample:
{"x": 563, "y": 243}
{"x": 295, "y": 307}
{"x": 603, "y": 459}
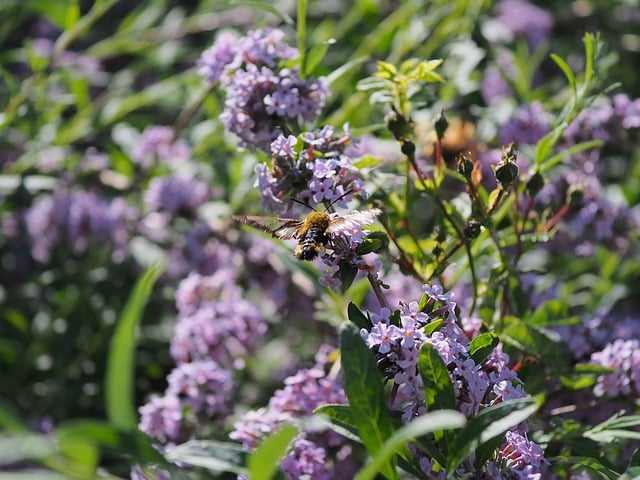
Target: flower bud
{"x": 507, "y": 170}
{"x": 472, "y": 229}
{"x": 535, "y": 184}
{"x": 465, "y": 167}
{"x": 399, "y": 125}
{"x": 441, "y": 125}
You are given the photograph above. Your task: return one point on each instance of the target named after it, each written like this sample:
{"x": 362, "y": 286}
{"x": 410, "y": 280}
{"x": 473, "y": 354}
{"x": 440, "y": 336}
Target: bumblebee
{"x": 314, "y": 232}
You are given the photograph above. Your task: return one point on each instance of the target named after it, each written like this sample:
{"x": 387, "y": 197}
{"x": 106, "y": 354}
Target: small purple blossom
{"x": 520, "y": 452}
{"x": 476, "y": 386}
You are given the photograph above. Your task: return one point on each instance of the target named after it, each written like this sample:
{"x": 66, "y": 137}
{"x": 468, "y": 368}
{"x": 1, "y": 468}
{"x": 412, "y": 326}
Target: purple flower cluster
{"x": 313, "y": 168}
{"x": 528, "y": 124}
{"x": 476, "y": 386}
{"x": 316, "y": 453}
{"x": 590, "y": 221}
{"x": 215, "y": 322}
{"x": 76, "y": 219}
{"x": 261, "y": 96}
{"x": 623, "y": 357}
{"x": 157, "y": 144}
{"x": 216, "y": 328}
{"x": 610, "y": 121}
{"x": 176, "y": 195}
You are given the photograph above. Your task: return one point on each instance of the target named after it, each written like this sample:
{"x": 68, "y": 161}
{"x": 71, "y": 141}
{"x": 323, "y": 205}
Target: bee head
{"x": 318, "y": 219}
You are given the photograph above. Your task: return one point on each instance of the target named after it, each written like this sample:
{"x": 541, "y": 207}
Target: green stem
{"x": 302, "y": 35}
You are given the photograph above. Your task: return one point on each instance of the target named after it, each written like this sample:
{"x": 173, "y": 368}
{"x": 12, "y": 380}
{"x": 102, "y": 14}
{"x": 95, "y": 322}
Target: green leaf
{"x": 567, "y": 72}
{"x": 431, "y": 327}
{"x": 632, "y": 473}
{"x": 543, "y": 344}
{"x": 482, "y": 346}
{"x": 438, "y": 390}
{"x": 357, "y": 317}
{"x": 316, "y": 55}
{"x": 430, "y": 422}
{"x": 341, "y": 419}
{"x": 340, "y": 71}
{"x": 264, "y": 462}
{"x": 488, "y": 424}
{"x": 364, "y": 389}
{"x": 212, "y": 455}
{"x": 119, "y": 399}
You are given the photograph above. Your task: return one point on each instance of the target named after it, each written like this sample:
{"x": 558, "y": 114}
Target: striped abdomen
{"x": 311, "y": 244}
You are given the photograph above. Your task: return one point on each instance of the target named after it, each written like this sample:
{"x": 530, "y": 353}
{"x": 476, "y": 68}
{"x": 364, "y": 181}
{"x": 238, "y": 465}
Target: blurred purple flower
{"x": 224, "y": 327}
{"x": 526, "y": 20}
{"x": 165, "y": 419}
{"x": 317, "y": 452}
{"x": 203, "y": 385}
{"x": 76, "y": 219}
{"x": 214, "y": 59}
{"x": 176, "y": 195}
{"x": 528, "y": 124}
{"x": 157, "y": 144}
{"x": 623, "y": 357}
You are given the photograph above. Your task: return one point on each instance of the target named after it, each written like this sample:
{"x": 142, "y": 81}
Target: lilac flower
{"x": 526, "y": 20}
{"x": 214, "y": 59}
{"x": 165, "y": 419}
{"x": 623, "y": 357}
{"x": 305, "y": 459}
{"x": 319, "y": 172}
{"x": 203, "y": 385}
{"x": 260, "y": 96}
{"x": 528, "y": 124}
{"x": 476, "y": 386}
{"x": 218, "y": 331}
{"x": 316, "y": 452}
{"x": 76, "y": 219}
{"x": 176, "y": 195}
{"x": 158, "y": 144}
{"x": 520, "y": 452}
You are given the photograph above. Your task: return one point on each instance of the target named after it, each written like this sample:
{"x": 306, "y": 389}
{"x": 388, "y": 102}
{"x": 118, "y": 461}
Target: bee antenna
{"x": 304, "y": 204}
{"x": 335, "y": 200}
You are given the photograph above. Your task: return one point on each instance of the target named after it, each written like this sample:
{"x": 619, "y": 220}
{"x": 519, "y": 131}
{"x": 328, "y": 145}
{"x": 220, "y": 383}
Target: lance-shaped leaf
{"x": 364, "y": 389}
{"x": 486, "y": 426}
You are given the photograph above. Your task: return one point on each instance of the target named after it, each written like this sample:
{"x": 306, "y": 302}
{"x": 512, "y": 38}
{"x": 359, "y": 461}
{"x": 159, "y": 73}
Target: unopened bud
{"x": 535, "y": 184}
{"x": 507, "y": 170}
{"x": 408, "y": 148}
{"x": 399, "y": 125}
{"x": 465, "y": 167}
{"x": 575, "y": 195}
{"x": 472, "y": 229}
{"x": 441, "y": 125}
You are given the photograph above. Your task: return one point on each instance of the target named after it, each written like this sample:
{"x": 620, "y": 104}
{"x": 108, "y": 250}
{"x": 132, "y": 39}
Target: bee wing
{"x": 283, "y": 228}
{"x": 352, "y": 220}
